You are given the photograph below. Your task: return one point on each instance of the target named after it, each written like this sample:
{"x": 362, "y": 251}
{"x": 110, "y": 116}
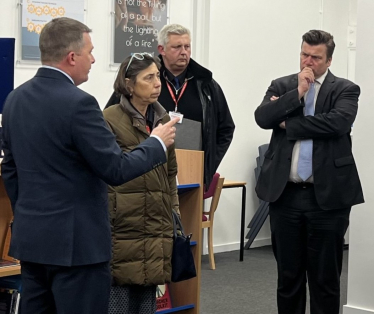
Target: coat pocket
{"x": 343, "y": 161}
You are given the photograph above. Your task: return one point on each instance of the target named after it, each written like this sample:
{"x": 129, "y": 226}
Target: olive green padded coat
{"x": 140, "y": 210}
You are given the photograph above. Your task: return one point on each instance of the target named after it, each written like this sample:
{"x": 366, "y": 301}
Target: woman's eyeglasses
{"x": 137, "y": 56}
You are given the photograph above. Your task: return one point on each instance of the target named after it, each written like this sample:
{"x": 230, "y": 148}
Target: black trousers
{"x": 49, "y": 289}
{"x": 308, "y": 246}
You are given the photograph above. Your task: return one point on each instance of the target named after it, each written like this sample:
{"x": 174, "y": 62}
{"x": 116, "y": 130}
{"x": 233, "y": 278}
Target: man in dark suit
{"x": 309, "y": 176}
{"x": 59, "y": 157}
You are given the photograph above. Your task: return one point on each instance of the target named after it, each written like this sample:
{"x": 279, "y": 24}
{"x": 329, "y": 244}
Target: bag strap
{"x": 177, "y": 221}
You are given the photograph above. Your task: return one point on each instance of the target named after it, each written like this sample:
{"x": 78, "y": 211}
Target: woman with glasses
{"x": 140, "y": 210}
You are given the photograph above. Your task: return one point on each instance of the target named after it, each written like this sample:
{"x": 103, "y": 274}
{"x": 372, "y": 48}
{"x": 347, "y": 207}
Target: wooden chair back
{"x": 209, "y": 223}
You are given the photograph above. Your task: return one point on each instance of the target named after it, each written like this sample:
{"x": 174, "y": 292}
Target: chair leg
{"x": 210, "y": 248}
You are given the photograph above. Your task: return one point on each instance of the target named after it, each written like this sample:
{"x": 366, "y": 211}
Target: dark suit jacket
{"x": 59, "y": 155}
{"x": 336, "y": 180}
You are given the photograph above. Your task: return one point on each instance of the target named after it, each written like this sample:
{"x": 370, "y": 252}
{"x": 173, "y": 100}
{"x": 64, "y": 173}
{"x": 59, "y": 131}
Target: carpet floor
{"x": 246, "y": 287}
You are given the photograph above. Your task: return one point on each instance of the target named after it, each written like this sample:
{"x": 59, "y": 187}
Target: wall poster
{"x": 35, "y": 14}
{"x": 136, "y": 25}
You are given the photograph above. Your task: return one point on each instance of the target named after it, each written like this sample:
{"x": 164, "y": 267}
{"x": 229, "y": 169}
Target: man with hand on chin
{"x": 309, "y": 176}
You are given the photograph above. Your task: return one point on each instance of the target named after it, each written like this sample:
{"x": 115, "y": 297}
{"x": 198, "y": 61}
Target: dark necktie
{"x": 304, "y": 165}
{"x": 176, "y": 83}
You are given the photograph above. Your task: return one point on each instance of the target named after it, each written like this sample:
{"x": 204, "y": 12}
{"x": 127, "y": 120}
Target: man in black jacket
{"x": 190, "y": 89}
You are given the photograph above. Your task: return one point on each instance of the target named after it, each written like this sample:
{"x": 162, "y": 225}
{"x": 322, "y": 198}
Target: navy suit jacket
{"x": 336, "y": 181}
{"x": 59, "y": 158}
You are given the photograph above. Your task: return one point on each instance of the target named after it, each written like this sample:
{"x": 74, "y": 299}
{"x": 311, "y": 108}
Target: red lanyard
{"x": 173, "y": 96}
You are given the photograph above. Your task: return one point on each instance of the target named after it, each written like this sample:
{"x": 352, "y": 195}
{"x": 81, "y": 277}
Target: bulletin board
{"x": 35, "y": 14}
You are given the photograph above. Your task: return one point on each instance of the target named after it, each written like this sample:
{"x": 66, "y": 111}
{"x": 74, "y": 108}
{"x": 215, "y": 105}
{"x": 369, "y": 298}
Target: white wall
{"x": 361, "y": 254}
{"x": 251, "y": 44}
{"x": 246, "y": 44}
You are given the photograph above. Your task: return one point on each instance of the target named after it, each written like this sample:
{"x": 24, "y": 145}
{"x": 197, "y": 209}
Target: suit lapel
{"x": 326, "y": 87}
{"x": 294, "y": 82}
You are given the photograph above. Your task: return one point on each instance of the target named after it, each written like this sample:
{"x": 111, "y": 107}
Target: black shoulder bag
{"x": 182, "y": 261}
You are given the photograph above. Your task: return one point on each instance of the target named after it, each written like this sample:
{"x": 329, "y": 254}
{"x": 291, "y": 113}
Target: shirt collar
{"x": 181, "y": 77}
{"x": 321, "y": 79}
{"x": 56, "y": 69}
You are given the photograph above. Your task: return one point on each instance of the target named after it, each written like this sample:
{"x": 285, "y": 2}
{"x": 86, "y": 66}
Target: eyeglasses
{"x": 137, "y": 56}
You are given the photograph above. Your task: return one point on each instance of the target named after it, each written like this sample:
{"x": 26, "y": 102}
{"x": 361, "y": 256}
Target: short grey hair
{"x": 175, "y": 29}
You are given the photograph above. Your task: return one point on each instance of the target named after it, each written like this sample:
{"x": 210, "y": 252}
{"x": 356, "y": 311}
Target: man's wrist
{"x": 160, "y": 140}
{"x": 301, "y": 92}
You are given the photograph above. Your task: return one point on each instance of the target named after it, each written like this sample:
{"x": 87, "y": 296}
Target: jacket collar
{"x": 137, "y": 117}
{"x": 52, "y": 74}
{"x": 193, "y": 70}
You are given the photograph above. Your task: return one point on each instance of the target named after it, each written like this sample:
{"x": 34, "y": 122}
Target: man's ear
{"x": 329, "y": 62}
{"x": 71, "y": 58}
{"x": 161, "y": 50}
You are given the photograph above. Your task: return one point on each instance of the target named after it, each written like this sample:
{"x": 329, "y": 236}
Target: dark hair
{"x": 318, "y": 37}
{"x": 59, "y": 37}
{"x": 136, "y": 66}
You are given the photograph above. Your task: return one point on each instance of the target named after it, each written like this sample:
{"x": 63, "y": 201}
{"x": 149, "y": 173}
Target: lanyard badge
{"x": 175, "y": 113}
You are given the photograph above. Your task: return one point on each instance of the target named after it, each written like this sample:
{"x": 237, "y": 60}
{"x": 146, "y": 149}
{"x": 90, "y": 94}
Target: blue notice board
{"x": 6, "y": 68}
